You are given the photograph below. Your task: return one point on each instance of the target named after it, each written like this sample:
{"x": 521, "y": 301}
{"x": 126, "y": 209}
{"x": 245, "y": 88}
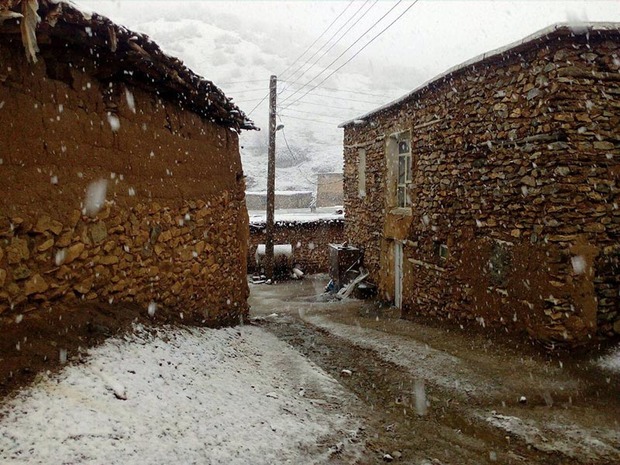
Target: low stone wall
{"x": 309, "y": 240}
{"x": 173, "y": 255}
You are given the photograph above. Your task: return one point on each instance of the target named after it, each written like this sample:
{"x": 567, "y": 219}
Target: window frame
{"x": 400, "y": 171}
{"x": 361, "y": 172}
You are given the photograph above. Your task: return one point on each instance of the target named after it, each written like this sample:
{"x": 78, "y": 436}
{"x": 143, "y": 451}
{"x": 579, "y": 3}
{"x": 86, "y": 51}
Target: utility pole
{"x": 271, "y": 178}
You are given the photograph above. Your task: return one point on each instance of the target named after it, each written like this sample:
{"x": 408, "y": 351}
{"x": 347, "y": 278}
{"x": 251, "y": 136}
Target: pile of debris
{"x": 347, "y": 273}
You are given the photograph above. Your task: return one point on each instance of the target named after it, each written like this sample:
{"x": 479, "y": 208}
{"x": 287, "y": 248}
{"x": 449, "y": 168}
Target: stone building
{"x": 120, "y": 168}
{"x": 329, "y": 191}
{"x": 491, "y": 193}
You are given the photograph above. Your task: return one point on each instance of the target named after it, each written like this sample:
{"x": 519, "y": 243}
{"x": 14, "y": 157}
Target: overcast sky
{"x": 233, "y": 42}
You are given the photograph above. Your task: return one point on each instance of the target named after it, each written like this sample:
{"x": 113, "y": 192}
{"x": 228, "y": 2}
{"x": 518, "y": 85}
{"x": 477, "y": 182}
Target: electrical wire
{"x": 258, "y": 104}
{"x": 312, "y": 113}
{"x": 244, "y": 90}
{"x": 326, "y": 68}
{"x": 343, "y": 98}
{"x": 334, "y": 44}
{"x": 348, "y": 90}
{"x": 317, "y": 39}
{"x": 358, "y": 52}
{"x": 314, "y": 120}
{"x": 240, "y": 82}
{"x": 325, "y": 106}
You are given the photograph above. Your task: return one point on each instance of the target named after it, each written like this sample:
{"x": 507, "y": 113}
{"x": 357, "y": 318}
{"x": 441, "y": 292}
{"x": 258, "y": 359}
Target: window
{"x": 443, "y": 251}
{"x": 361, "y": 172}
{"x": 404, "y": 173}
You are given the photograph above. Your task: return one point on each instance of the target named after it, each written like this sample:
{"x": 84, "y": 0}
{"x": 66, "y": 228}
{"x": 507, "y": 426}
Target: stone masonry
{"x": 514, "y": 219}
{"x": 309, "y": 240}
{"x": 173, "y": 228}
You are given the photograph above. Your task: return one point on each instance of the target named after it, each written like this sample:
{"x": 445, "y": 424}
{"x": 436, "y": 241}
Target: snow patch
{"x": 192, "y": 396}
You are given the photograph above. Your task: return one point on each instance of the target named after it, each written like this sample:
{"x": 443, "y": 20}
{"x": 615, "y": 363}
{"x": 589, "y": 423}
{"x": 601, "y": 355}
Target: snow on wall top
{"x": 120, "y": 55}
{"x": 298, "y": 216}
{"x": 555, "y": 30}
{"x": 285, "y": 193}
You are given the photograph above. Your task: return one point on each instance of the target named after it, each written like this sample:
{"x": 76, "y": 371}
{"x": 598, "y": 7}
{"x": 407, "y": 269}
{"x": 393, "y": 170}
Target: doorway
{"x": 398, "y": 274}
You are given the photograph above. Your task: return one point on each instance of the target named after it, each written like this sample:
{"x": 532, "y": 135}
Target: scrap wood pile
{"x": 115, "y": 54}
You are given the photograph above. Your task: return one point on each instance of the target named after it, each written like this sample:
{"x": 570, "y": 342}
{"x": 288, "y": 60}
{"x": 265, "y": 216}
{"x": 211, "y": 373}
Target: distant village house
{"x": 329, "y": 190}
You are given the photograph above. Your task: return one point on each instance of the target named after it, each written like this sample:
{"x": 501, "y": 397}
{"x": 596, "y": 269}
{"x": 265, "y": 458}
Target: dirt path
{"x": 442, "y": 395}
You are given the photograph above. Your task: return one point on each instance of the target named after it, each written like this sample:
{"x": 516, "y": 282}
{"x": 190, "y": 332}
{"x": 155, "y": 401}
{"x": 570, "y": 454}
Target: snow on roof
{"x": 119, "y": 55}
{"x": 305, "y": 215}
{"x": 572, "y": 28}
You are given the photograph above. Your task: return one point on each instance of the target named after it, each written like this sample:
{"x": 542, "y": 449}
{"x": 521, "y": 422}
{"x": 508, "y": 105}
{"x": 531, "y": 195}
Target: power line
{"x": 325, "y": 106}
{"x": 317, "y": 39}
{"x": 311, "y": 112}
{"x": 248, "y": 100}
{"x": 334, "y": 44}
{"x": 258, "y": 104}
{"x": 314, "y": 120}
{"x": 295, "y": 158}
{"x": 244, "y": 90}
{"x": 350, "y": 91}
{"x": 358, "y": 52}
{"x": 240, "y": 82}
{"x": 345, "y": 51}
{"x": 342, "y": 98}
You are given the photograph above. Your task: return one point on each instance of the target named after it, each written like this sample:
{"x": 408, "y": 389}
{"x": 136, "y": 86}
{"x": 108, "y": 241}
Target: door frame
{"x": 398, "y": 273}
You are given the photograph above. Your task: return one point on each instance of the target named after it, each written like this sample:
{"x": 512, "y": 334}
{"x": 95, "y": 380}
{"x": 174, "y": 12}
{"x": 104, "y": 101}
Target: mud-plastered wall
{"x": 110, "y": 193}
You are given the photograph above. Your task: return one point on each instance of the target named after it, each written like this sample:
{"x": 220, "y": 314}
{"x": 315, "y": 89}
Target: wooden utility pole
{"x": 271, "y": 178}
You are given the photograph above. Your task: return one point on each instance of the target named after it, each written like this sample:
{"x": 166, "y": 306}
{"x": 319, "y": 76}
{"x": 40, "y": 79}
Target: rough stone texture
{"x": 310, "y": 242}
{"x": 174, "y": 226}
{"x": 516, "y": 160}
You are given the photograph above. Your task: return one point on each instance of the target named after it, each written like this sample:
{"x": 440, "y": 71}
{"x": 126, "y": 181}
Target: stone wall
{"x": 309, "y": 240}
{"x": 516, "y": 161}
{"x": 173, "y": 228}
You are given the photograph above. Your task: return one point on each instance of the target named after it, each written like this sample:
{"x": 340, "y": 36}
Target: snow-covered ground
{"x": 611, "y": 361}
{"x": 233, "y": 396}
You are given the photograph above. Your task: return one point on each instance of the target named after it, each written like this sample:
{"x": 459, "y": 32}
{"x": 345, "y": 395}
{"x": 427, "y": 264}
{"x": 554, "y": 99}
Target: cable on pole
{"x": 333, "y": 45}
{"x": 317, "y": 39}
{"x": 356, "y": 53}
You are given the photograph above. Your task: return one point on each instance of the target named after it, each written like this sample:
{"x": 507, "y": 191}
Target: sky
{"x": 239, "y": 44}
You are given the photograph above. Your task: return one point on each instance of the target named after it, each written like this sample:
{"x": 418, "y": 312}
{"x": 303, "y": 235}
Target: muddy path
{"x": 432, "y": 397}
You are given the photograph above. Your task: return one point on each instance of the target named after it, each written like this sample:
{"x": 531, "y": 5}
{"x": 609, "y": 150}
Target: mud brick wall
{"x": 309, "y": 240}
{"x": 516, "y": 164}
{"x": 173, "y": 229}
